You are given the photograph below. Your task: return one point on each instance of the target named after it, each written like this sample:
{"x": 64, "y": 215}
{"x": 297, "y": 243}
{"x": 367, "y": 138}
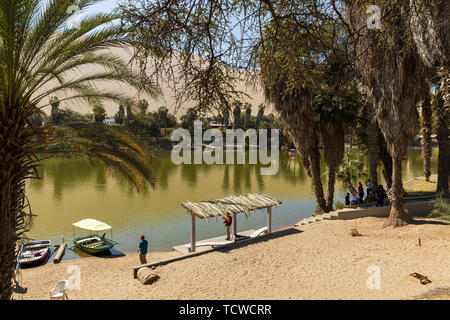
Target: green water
{"x": 74, "y": 189}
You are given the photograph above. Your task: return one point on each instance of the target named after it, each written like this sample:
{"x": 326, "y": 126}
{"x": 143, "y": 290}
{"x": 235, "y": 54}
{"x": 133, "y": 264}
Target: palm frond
{"x": 118, "y": 152}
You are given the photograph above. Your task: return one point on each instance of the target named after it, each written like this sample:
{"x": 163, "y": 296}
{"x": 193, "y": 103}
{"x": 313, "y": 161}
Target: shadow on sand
{"x": 249, "y": 241}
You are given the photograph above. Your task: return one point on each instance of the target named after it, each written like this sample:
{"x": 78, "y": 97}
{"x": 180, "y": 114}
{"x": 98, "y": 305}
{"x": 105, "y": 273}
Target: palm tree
{"x": 162, "y": 112}
{"x": 388, "y": 64}
{"x": 237, "y": 114}
{"x": 42, "y": 58}
{"x": 259, "y": 116}
{"x": 426, "y": 133}
{"x": 431, "y": 34}
{"x": 296, "y": 112}
{"x": 143, "y": 105}
{"x": 442, "y": 132}
{"x": 351, "y": 168}
{"x": 55, "y": 112}
{"x": 226, "y": 118}
{"x": 372, "y": 141}
{"x": 116, "y": 150}
{"x": 333, "y": 153}
{"x": 248, "y": 113}
{"x": 129, "y": 109}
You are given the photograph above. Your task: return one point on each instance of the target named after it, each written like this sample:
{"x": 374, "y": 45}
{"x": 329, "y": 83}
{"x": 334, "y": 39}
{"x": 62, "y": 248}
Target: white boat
{"x": 36, "y": 252}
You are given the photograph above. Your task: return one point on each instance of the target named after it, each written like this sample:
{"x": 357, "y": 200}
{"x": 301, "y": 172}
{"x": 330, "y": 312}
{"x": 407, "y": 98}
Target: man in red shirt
{"x": 227, "y": 220}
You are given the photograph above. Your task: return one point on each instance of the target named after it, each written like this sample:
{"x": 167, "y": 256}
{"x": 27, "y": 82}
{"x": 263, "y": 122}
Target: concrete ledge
{"x": 419, "y": 208}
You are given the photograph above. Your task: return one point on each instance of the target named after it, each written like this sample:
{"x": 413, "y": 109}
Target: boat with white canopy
{"x": 93, "y": 242}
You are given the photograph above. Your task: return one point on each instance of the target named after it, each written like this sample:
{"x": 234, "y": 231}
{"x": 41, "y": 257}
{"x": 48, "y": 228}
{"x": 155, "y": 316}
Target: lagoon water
{"x": 73, "y": 189}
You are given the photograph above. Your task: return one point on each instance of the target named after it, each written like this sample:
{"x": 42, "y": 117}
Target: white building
{"x": 109, "y": 121}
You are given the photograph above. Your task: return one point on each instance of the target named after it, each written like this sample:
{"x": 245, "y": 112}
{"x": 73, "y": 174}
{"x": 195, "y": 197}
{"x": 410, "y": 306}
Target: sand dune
{"x": 167, "y": 99}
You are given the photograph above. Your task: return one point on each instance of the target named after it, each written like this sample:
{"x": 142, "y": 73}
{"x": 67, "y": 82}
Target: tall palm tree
{"x": 431, "y": 34}
{"x": 333, "y": 153}
{"x": 40, "y": 58}
{"x": 372, "y": 137}
{"x": 237, "y": 114}
{"x": 388, "y": 64}
{"x": 248, "y": 113}
{"x": 259, "y": 116}
{"x": 226, "y": 118}
{"x": 426, "y": 112}
{"x": 296, "y": 111}
{"x": 442, "y": 132}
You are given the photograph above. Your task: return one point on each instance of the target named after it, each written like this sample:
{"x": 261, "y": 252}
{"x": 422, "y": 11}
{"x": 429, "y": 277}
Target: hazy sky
{"x": 104, "y": 6}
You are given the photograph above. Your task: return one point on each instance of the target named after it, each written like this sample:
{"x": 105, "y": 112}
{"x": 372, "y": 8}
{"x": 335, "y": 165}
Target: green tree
{"x": 56, "y": 113}
{"x": 351, "y": 168}
{"x": 391, "y": 72}
{"x": 120, "y": 115}
{"x": 187, "y": 119}
{"x": 99, "y": 114}
{"x": 37, "y": 49}
{"x": 143, "y": 106}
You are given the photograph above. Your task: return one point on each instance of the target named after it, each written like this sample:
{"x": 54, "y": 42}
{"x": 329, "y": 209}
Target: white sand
{"x": 321, "y": 262}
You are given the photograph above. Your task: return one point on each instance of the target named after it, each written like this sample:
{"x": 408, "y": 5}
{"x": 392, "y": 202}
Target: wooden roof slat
{"x": 230, "y": 205}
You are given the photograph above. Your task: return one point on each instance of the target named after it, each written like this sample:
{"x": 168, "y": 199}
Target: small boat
{"x": 292, "y": 152}
{"x": 36, "y": 252}
{"x": 93, "y": 242}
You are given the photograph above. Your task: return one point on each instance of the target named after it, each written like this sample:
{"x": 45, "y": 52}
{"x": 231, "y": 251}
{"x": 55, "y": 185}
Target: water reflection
{"x": 74, "y": 189}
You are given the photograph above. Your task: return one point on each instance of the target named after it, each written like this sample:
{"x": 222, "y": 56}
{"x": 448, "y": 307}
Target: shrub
{"x": 339, "y": 205}
{"x": 441, "y": 208}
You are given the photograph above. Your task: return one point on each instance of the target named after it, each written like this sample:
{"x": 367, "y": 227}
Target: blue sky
{"x": 104, "y": 6}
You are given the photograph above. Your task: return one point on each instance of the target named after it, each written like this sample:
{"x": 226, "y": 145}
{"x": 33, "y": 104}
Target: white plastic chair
{"x": 59, "y": 291}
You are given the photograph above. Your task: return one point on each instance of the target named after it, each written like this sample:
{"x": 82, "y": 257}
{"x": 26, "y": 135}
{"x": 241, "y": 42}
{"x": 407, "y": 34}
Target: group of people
{"x": 380, "y": 194}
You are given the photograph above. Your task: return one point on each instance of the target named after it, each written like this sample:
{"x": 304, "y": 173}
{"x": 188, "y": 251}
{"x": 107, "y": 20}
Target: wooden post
{"x": 234, "y": 227}
{"x": 192, "y": 233}
{"x": 269, "y": 219}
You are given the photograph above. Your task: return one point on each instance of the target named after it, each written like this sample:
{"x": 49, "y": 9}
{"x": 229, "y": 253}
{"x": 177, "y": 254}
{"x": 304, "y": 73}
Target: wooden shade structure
{"x": 230, "y": 205}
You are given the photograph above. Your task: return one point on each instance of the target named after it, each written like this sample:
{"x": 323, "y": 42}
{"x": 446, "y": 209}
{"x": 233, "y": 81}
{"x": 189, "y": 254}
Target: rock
{"x": 145, "y": 276}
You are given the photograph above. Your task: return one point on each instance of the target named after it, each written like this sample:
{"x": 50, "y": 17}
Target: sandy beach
{"x": 317, "y": 261}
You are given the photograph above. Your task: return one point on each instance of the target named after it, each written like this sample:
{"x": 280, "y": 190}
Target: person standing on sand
{"x": 369, "y": 188}
{"x": 347, "y": 199}
{"x": 143, "y": 246}
{"x": 381, "y": 194}
{"x": 227, "y": 221}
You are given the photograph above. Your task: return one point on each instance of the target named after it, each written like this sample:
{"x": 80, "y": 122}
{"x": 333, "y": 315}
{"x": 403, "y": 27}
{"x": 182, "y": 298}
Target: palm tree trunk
{"x": 237, "y": 117}
{"x": 330, "y": 191}
{"x": 373, "y": 156}
{"x": 386, "y": 159}
{"x": 348, "y": 183}
{"x": 314, "y": 160}
{"x": 426, "y": 135}
{"x": 398, "y": 216}
{"x": 443, "y": 132}
{"x": 10, "y": 192}
{"x": 248, "y": 113}
{"x": 226, "y": 118}
{"x": 259, "y": 117}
